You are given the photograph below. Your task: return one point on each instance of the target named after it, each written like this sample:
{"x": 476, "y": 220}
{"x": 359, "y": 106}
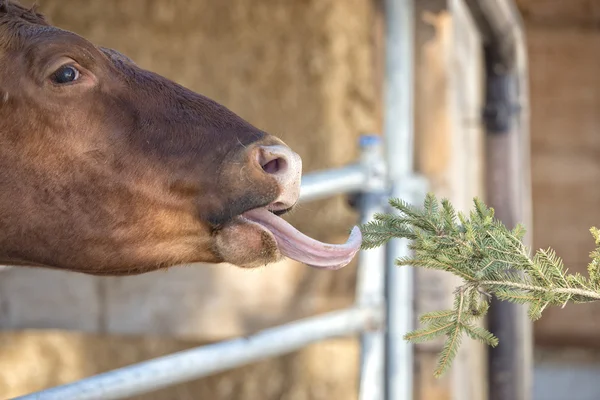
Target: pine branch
{"x": 488, "y": 257}
{"x": 590, "y": 295}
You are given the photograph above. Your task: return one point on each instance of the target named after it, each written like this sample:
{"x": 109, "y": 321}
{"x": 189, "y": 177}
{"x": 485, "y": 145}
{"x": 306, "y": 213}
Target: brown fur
{"x": 121, "y": 172}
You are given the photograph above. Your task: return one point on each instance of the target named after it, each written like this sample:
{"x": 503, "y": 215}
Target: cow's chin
{"x": 247, "y": 244}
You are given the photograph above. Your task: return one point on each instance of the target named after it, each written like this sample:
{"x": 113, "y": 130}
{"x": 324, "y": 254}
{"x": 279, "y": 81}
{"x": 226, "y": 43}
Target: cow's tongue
{"x": 299, "y": 247}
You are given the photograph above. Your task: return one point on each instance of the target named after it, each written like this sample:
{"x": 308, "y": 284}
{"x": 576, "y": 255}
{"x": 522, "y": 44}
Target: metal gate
{"x": 383, "y": 310}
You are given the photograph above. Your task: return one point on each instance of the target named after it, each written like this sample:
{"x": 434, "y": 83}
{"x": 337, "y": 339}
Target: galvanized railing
{"x": 383, "y": 310}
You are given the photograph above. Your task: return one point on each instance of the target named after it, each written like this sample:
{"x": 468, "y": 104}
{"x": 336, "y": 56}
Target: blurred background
{"x": 311, "y": 72}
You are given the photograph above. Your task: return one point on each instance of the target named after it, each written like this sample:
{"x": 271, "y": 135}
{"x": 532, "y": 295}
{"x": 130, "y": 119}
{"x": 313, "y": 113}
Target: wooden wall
{"x": 564, "y": 57}
{"x": 449, "y": 152}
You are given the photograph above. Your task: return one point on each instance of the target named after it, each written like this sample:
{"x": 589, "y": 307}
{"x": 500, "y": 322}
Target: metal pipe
{"x": 508, "y": 182}
{"x": 318, "y": 185}
{"x": 398, "y": 130}
{"x": 370, "y": 292}
{"x": 191, "y": 364}
{"x": 370, "y": 283}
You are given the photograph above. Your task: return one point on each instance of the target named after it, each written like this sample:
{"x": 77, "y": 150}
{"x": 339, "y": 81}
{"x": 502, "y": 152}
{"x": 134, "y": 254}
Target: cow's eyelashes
{"x": 65, "y": 74}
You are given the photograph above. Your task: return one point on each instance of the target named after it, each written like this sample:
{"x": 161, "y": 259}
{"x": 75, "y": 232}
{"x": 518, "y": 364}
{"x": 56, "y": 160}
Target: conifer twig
{"x": 488, "y": 257}
{"x": 592, "y": 295}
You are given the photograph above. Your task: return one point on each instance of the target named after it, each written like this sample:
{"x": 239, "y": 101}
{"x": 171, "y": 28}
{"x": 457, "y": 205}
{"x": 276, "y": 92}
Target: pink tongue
{"x": 300, "y": 247}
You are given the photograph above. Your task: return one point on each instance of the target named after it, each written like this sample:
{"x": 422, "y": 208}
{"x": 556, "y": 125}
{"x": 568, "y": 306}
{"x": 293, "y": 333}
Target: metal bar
{"x": 191, "y": 364}
{"x": 371, "y": 291}
{"x": 509, "y": 364}
{"x": 370, "y": 283}
{"x": 398, "y": 130}
{"x": 318, "y": 185}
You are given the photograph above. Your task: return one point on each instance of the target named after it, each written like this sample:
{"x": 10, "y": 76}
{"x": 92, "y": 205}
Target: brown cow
{"x": 109, "y": 169}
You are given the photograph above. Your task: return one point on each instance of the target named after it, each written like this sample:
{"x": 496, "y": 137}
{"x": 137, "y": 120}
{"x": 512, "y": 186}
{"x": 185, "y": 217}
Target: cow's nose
{"x": 285, "y": 166}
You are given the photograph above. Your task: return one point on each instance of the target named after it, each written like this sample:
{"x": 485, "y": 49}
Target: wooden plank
{"x": 429, "y": 387}
{"x": 565, "y": 92}
{"x": 560, "y": 12}
{"x": 449, "y": 152}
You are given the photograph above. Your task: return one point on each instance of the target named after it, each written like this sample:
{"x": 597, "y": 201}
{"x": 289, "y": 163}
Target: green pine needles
{"x": 488, "y": 257}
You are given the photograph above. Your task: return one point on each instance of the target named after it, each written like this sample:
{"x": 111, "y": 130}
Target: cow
{"x": 110, "y": 169}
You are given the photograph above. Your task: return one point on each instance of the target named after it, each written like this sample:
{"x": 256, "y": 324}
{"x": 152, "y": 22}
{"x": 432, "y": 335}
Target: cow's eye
{"x": 65, "y": 74}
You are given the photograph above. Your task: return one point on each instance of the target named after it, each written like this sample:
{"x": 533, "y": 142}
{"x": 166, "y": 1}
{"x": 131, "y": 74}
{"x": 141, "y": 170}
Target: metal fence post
{"x": 399, "y": 134}
{"x": 370, "y": 284}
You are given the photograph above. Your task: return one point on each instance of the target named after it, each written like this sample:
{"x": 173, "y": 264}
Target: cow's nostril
{"x": 274, "y": 160}
{"x": 283, "y": 167}
{"x": 275, "y": 166}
